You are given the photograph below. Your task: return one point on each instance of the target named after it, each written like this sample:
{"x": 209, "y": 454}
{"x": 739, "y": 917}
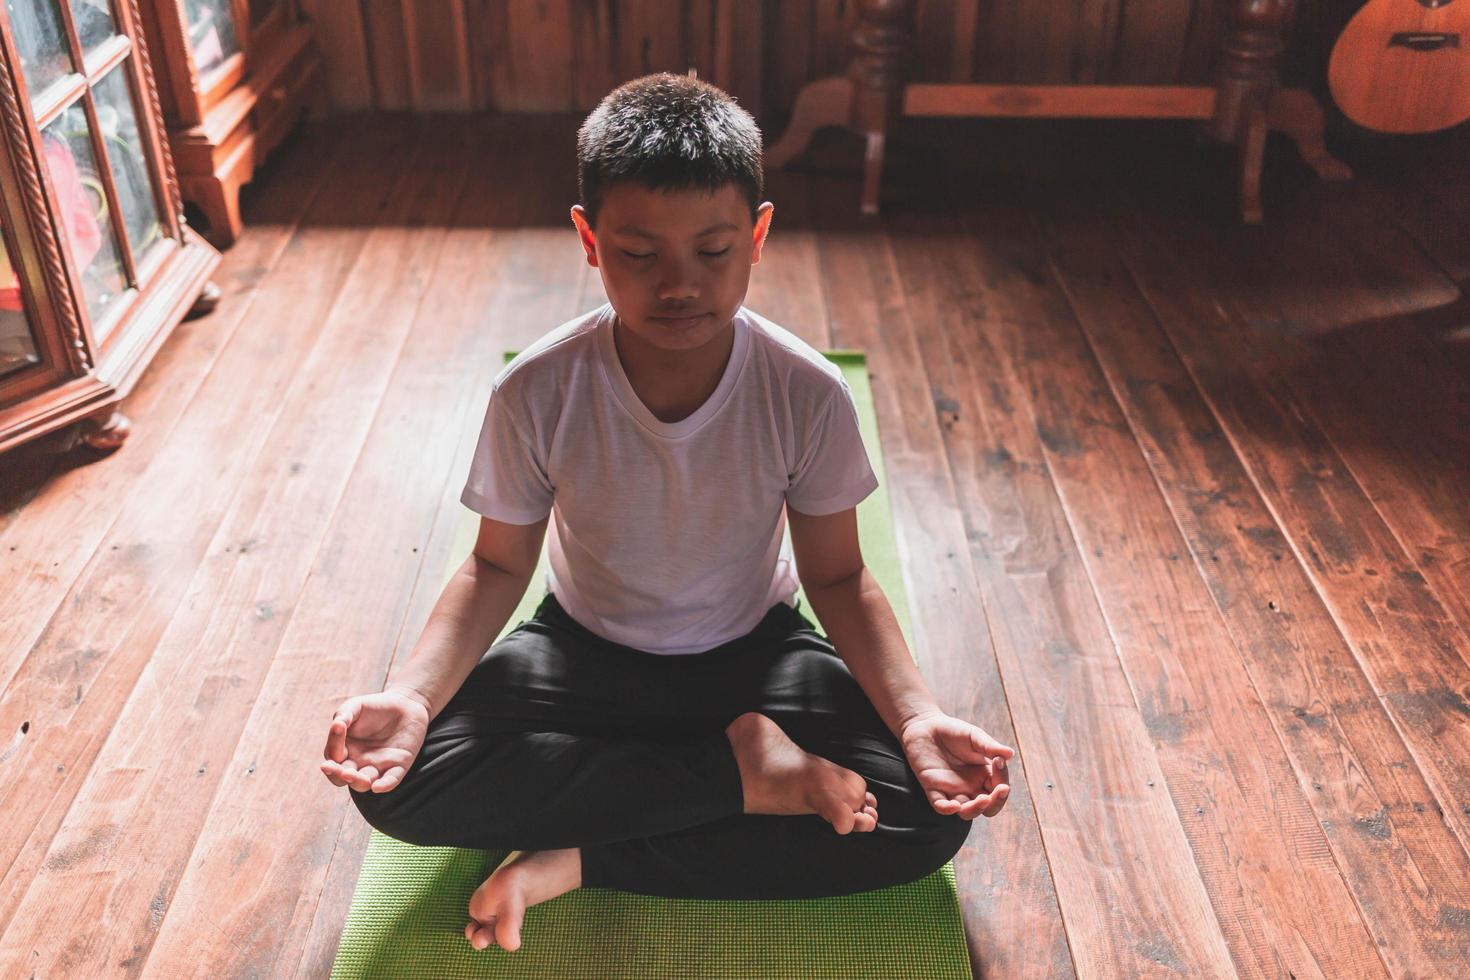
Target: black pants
{"x": 561, "y": 738}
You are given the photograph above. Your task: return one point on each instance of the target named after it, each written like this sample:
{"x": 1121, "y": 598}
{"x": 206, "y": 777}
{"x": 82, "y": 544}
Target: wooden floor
{"x": 1182, "y": 508}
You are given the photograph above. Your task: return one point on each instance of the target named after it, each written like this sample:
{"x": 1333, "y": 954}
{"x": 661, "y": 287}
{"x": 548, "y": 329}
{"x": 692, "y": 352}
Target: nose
{"x": 680, "y": 281}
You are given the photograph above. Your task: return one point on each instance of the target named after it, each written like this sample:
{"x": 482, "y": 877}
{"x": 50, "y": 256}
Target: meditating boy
{"x": 668, "y": 722}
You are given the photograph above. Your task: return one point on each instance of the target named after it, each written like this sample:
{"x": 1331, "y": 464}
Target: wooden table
{"x": 1245, "y": 100}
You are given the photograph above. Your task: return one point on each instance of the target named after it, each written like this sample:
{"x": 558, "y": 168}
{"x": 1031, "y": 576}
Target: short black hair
{"x": 668, "y": 131}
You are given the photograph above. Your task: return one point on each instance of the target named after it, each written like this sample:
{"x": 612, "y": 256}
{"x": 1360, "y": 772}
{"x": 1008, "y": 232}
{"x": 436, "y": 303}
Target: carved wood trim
{"x": 155, "y": 109}
{"x": 58, "y": 284}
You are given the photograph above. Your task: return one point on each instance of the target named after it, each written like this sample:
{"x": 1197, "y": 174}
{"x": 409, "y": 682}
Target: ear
{"x": 762, "y": 228}
{"x": 584, "y": 232}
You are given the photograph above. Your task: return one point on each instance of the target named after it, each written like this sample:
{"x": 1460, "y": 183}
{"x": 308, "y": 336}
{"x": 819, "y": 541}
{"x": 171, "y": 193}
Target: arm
{"x": 474, "y": 607}
{"x": 857, "y": 616}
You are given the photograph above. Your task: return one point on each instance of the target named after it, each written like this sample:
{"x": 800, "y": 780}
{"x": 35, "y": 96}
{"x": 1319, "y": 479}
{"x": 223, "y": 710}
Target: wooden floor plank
{"x": 1401, "y": 634}
{"x": 786, "y": 285}
{"x": 1113, "y": 840}
{"x": 1391, "y": 391}
{"x": 1121, "y": 452}
{"x": 1406, "y": 867}
{"x": 1286, "y": 637}
{"x": 324, "y": 656}
{"x": 93, "y": 652}
{"x": 1010, "y": 908}
{"x": 71, "y": 500}
{"x": 513, "y": 245}
{"x": 67, "y": 486}
{"x": 211, "y": 658}
{"x": 1279, "y": 898}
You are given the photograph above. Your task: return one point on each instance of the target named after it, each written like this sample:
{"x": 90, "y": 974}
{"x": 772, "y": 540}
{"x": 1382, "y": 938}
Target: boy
{"x": 668, "y": 722}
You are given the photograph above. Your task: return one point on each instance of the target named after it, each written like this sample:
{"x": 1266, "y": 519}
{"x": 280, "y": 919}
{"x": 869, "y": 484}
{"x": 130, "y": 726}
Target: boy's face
{"x": 674, "y": 253}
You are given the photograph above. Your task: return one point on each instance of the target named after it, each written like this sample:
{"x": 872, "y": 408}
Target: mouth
{"x": 681, "y": 321}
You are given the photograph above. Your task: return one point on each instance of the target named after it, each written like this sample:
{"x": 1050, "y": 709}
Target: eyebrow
{"x": 640, "y": 233}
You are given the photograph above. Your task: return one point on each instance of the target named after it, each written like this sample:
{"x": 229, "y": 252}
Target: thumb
{"x": 349, "y": 712}
{"x": 989, "y": 746}
{"x": 341, "y": 724}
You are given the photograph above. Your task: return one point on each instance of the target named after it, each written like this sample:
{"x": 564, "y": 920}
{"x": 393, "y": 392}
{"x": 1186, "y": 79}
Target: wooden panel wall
{"x": 565, "y": 55}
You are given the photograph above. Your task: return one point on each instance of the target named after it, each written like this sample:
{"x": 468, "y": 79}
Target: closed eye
{"x": 649, "y": 255}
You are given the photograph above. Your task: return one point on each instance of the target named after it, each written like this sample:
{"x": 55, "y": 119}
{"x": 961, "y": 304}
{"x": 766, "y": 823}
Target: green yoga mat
{"x": 410, "y": 907}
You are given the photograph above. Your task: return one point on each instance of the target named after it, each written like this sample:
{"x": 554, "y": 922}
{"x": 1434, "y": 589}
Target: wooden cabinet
{"x": 234, "y": 75}
{"x": 96, "y": 262}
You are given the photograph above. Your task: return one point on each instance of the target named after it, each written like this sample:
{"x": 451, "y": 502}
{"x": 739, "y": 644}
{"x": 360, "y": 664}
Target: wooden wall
{"x": 564, "y": 55}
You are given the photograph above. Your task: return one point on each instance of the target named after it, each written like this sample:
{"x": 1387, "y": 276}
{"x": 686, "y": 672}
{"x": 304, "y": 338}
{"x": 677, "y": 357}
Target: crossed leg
{"x": 563, "y": 746}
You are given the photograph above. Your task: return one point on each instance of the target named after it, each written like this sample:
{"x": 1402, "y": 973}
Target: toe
{"x": 839, "y": 815}
{"x": 508, "y": 928}
{"x": 479, "y": 934}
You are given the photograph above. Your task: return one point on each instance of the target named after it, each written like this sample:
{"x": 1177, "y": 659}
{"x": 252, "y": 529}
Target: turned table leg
{"x": 868, "y": 100}
{"x": 825, "y": 102}
{"x": 878, "y": 74}
{"x": 1246, "y": 78}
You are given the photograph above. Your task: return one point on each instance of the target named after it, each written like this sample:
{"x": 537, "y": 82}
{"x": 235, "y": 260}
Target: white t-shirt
{"x": 668, "y": 537}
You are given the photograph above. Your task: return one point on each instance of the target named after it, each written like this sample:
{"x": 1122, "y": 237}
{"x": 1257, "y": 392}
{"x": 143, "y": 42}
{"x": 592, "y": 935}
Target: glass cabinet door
{"x": 212, "y": 34}
{"x": 93, "y": 22}
{"x": 78, "y": 70}
{"x": 40, "y": 41}
{"x": 17, "y": 344}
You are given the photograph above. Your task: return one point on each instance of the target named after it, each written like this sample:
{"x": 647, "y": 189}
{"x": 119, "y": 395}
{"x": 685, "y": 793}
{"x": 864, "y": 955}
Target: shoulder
{"x": 803, "y": 373}
{"x": 555, "y": 355}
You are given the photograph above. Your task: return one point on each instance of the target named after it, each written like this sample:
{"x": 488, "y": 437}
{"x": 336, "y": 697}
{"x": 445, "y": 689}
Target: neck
{"x": 672, "y": 383}
{"x": 643, "y": 357}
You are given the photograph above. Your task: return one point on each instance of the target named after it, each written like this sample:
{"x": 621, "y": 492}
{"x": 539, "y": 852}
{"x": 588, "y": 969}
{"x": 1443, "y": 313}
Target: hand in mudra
{"x": 373, "y": 740}
{"x": 961, "y": 767}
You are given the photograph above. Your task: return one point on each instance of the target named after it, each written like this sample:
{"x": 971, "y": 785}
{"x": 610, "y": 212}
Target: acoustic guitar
{"x": 1403, "y": 66}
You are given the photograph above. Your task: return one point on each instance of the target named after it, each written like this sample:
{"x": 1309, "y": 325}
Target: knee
{"x": 383, "y": 811}
{"x": 936, "y": 842}
{"x": 951, "y": 834}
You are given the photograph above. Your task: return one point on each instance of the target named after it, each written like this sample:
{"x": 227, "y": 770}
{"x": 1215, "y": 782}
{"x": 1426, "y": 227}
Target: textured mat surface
{"x": 408, "y": 912}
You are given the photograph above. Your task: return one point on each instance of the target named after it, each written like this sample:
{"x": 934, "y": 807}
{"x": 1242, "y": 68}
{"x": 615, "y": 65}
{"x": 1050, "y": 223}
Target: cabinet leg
{"x": 825, "y": 102}
{"x": 206, "y": 301}
{"x": 106, "y": 430}
{"x": 220, "y": 201}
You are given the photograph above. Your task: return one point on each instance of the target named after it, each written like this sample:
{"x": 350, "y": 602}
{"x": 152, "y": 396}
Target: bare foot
{"x": 781, "y": 778}
{"x": 523, "y": 879}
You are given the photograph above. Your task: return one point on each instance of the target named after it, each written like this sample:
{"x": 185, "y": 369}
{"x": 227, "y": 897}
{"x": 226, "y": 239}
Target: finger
{"x": 349, "y": 773}
{"x": 337, "y": 732}
{"x": 367, "y": 774}
{"x": 986, "y": 747}
{"x": 991, "y": 746}
{"x": 331, "y": 770}
{"x": 388, "y": 780}
{"x": 987, "y": 805}
{"x": 949, "y": 782}
{"x": 944, "y": 805}
{"x": 972, "y": 809}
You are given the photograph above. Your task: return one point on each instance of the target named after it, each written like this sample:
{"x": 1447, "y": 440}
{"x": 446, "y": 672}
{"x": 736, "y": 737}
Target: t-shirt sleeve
{"x": 834, "y": 472}
{"x": 507, "y": 479}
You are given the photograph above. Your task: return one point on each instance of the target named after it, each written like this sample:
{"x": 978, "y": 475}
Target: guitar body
{"x": 1403, "y": 66}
